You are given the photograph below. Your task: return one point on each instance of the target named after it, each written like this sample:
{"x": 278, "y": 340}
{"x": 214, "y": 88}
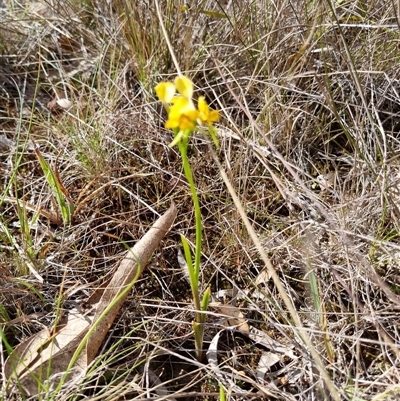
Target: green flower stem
{"x": 197, "y": 213}
{"x": 198, "y": 325}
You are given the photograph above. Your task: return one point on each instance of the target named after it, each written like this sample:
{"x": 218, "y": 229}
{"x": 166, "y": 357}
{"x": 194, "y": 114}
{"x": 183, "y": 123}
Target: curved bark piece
{"x": 44, "y": 355}
{"x": 130, "y": 267}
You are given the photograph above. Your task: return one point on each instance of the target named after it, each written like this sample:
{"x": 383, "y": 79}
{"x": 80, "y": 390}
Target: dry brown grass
{"x": 308, "y": 94}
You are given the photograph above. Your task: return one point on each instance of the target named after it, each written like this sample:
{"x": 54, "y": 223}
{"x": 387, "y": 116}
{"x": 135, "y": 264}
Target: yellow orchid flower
{"x": 206, "y": 115}
{"x": 184, "y": 86}
{"x": 165, "y": 92}
{"x": 182, "y": 114}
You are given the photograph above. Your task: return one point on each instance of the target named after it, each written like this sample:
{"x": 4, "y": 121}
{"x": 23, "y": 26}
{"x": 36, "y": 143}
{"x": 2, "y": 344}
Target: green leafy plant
{"x": 183, "y": 118}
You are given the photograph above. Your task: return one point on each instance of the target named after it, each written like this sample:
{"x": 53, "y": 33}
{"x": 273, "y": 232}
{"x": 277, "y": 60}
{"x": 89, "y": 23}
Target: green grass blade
{"x": 65, "y": 204}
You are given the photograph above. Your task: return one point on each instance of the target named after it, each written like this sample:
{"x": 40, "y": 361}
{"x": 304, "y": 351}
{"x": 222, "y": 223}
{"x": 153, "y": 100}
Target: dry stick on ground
{"x": 369, "y": 271}
{"x": 300, "y": 329}
{"x": 302, "y": 333}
